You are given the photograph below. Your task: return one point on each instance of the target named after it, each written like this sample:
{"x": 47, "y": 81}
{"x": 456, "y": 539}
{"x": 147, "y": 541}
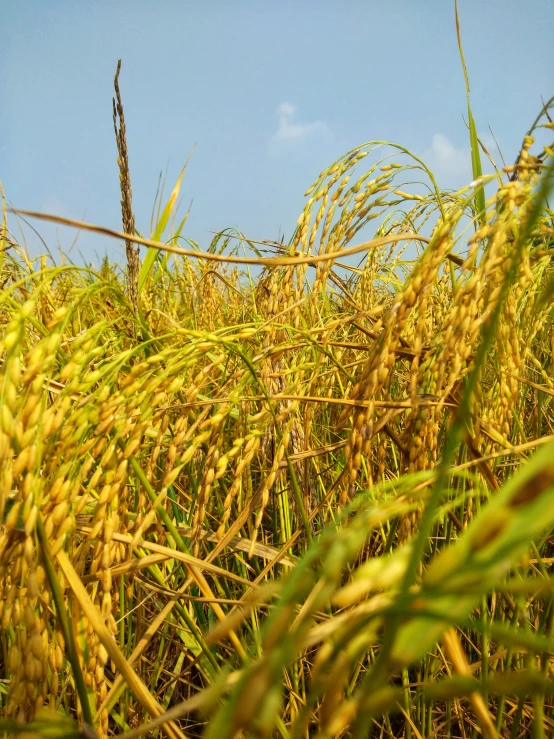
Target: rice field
{"x": 287, "y": 489}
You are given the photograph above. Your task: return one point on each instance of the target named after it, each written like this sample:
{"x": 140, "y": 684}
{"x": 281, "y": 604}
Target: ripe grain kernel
{"x": 28, "y": 551}
{"x": 131, "y": 447}
{"x": 21, "y": 461}
{"x": 105, "y": 558}
{"x": 31, "y": 520}
{"x": 106, "y": 604}
{"x": 108, "y": 455}
{"x": 30, "y": 669}
{"x": 6, "y": 419}
{"x": 107, "y": 581}
{"x": 36, "y": 645}
{"x": 60, "y": 512}
{"x": 66, "y": 526}
{"x": 14, "y": 657}
{"x": 13, "y": 516}
{"x": 33, "y": 588}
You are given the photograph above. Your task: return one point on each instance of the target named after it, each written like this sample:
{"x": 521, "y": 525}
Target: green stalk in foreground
{"x": 63, "y": 619}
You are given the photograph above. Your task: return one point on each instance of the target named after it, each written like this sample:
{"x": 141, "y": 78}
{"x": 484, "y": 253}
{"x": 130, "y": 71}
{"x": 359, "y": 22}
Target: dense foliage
{"x": 310, "y": 499}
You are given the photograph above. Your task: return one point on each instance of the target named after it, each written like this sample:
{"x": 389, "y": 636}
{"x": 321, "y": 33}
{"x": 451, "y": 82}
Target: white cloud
{"x": 291, "y": 130}
{"x": 451, "y": 166}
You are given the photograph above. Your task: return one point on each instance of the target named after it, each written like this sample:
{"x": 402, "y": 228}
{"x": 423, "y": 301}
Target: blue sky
{"x": 270, "y": 92}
